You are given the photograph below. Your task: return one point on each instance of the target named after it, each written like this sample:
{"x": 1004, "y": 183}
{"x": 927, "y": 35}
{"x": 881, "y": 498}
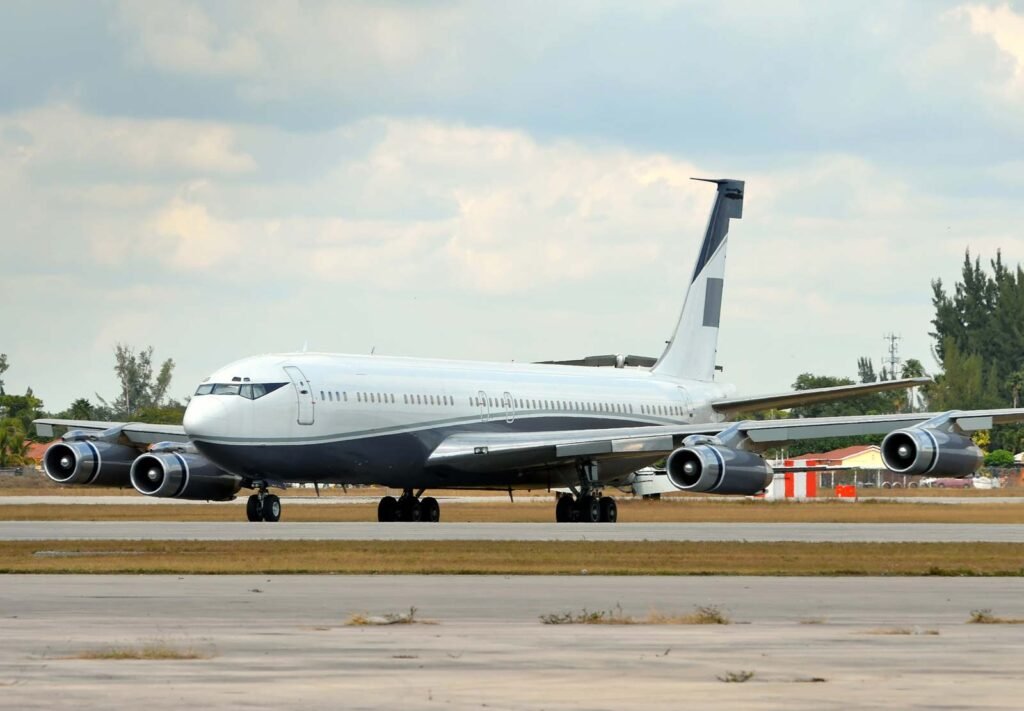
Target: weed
{"x": 702, "y": 615}
{"x": 902, "y": 631}
{"x": 738, "y": 677}
{"x": 985, "y": 617}
{"x": 361, "y": 619}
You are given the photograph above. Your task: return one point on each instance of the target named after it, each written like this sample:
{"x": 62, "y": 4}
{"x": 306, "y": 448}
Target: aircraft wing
{"x": 135, "y": 434}
{"x": 525, "y": 450}
{"x": 795, "y": 398}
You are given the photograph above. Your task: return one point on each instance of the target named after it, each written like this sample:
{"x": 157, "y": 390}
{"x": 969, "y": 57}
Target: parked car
{"x": 949, "y": 482}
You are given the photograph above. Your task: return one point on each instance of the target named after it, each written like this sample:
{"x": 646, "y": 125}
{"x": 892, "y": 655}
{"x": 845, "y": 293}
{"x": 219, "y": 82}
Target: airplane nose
{"x": 205, "y": 415}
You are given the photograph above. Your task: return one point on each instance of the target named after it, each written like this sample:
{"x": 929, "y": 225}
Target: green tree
{"x": 999, "y": 458}
{"x": 81, "y": 409}
{"x": 964, "y": 383}
{"x": 13, "y": 444}
{"x": 3, "y": 369}
{"x": 866, "y": 370}
{"x": 1015, "y": 384}
{"x": 23, "y": 408}
{"x": 140, "y": 389}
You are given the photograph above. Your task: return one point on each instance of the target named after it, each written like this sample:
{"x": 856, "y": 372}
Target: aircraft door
{"x": 510, "y": 407}
{"x": 485, "y": 408}
{"x": 304, "y": 393}
{"x": 687, "y": 403}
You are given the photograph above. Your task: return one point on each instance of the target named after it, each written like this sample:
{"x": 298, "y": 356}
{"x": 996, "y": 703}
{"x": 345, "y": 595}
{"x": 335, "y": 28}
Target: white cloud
{"x": 1004, "y": 26}
{"x": 183, "y": 37}
{"x": 78, "y": 145}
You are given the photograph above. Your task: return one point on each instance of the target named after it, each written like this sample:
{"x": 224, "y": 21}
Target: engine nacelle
{"x": 182, "y": 475}
{"x": 89, "y": 463}
{"x": 714, "y": 469}
{"x": 924, "y": 450}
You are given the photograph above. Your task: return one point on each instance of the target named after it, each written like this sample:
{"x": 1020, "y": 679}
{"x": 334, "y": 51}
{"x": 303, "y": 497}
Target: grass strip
{"x": 513, "y": 558}
{"x": 543, "y": 512}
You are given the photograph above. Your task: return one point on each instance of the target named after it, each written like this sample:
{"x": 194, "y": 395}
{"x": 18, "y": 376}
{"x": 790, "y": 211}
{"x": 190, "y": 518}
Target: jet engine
{"x": 716, "y": 469}
{"x": 925, "y": 450}
{"x": 82, "y": 461}
{"x": 182, "y": 475}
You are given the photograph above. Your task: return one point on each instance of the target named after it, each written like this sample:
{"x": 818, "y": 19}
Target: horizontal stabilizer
{"x": 795, "y": 398}
{"x": 606, "y": 361}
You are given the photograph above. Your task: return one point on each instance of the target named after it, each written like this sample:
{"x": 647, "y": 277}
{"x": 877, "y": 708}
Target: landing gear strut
{"x": 263, "y": 506}
{"x": 409, "y": 507}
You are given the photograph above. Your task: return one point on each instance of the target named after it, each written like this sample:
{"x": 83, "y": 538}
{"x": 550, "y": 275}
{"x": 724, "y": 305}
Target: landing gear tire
{"x": 563, "y": 509}
{"x": 430, "y": 510}
{"x": 271, "y": 508}
{"x": 589, "y": 509}
{"x": 253, "y": 509}
{"x": 609, "y": 510}
{"x": 387, "y": 509}
{"x": 410, "y": 509}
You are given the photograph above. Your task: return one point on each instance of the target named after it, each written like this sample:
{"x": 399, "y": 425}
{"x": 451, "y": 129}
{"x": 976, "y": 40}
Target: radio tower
{"x": 894, "y": 354}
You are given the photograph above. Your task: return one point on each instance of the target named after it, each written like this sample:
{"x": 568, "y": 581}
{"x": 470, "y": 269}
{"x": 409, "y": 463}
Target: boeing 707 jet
{"x": 420, "y": 425}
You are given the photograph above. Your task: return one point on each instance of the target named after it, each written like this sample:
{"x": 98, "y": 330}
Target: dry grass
{"x": 501, "y": 510}
{"x": 513, "y": 557}
{"x": 985, "y": 617}
{"x": 151, "y": 651}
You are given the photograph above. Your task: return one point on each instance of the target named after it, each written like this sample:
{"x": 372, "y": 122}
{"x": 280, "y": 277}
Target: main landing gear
{"x": 586, "y": 508}
{"x": 409, "y": 507}
{"x": 263, "y": 507}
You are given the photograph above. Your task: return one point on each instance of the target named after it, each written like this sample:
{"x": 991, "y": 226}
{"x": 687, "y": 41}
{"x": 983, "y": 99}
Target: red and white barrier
{"x": 794, "y": 483}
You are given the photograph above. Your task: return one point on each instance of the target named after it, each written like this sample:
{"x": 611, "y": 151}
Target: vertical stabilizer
{"x": 691, "y": 352}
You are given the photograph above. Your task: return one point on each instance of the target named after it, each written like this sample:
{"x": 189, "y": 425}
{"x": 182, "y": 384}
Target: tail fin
{"x": 691, "y": 352}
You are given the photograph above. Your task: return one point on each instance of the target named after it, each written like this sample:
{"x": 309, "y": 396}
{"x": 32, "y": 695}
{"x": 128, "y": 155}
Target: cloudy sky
{"x": 492, "y": 180}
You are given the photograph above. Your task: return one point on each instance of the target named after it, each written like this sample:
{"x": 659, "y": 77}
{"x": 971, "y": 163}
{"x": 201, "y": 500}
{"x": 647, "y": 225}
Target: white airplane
{"x": 419, "y": 425}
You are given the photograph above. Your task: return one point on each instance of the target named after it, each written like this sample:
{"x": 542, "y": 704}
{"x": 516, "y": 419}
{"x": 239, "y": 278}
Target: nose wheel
{"x": 263, "y": 507}
{"x": 409, "y": 507}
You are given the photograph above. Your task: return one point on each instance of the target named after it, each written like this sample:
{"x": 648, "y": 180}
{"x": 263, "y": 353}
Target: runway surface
{"x": 280, "y": 642}
{"x": 363, "y": 531}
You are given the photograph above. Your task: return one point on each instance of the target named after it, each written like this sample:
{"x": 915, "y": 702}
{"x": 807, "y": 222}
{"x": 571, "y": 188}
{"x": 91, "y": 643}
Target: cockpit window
{"x": 250, "y": 391}
{"x": 258, "y": 390}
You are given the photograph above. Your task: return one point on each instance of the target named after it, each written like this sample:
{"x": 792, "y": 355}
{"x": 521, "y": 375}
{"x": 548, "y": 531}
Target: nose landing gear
{"x": 263, "y": 506}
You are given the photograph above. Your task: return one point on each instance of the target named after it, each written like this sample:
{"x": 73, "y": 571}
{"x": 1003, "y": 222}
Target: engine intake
{"x": 181, "y": 475}
{"x": 925, "y": 450}
{"x": 715, "y": 469}
{"x": 89, "y": 463}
